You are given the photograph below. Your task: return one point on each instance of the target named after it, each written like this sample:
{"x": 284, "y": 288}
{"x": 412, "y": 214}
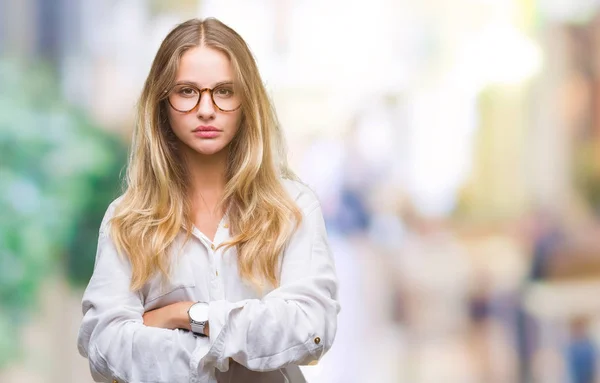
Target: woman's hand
{"x": 171, "y": 317}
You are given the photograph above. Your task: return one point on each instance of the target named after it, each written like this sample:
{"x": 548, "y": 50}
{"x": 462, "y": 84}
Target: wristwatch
{"x": 198, "y": 314}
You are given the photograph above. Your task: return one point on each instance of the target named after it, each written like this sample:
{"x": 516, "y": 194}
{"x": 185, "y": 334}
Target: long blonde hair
{"x": 156, "y": 206}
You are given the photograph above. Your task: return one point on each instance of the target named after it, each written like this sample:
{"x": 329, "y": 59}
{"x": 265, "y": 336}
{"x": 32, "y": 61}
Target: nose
{"x": 206, "y": 109}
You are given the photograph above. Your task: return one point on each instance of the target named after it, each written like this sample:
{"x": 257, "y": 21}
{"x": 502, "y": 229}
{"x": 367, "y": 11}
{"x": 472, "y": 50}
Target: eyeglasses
{"x": 186, "y": 97}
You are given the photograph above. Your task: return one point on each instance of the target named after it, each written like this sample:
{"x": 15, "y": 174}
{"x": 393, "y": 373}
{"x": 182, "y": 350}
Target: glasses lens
{"x": 184, "y": 98}
{"x": 226, "y": 98}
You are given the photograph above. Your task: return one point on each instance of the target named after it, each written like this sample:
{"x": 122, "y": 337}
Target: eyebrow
{"x": 184, "y": 82}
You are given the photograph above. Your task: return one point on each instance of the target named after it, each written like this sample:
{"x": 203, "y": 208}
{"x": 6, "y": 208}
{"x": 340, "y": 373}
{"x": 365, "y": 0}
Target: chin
{"x": 208, "y": 150}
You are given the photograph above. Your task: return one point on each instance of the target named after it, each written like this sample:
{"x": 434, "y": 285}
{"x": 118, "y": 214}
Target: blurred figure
{"x": 581, "y": 353}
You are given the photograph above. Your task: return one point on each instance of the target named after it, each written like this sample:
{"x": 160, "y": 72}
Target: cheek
{"x": 180, "y": 122}
{"x": 233, "y": 124}
{"x": 173, "y": 119}
{"x": 238, "y": 120}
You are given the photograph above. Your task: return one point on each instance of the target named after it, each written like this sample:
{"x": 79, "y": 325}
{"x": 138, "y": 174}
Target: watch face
{"x": 199, "y": 312}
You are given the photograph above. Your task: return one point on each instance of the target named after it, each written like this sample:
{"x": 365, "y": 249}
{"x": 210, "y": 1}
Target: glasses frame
{"x": 200, "y": 92}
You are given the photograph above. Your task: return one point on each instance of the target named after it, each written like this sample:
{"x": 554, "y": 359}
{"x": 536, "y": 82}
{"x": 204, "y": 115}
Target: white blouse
{"x": 252, "y": 338}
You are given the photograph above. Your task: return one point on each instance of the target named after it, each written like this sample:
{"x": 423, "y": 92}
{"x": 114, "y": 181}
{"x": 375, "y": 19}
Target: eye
{"x": 224, "y": 92}
{"x": 187, "y": 92}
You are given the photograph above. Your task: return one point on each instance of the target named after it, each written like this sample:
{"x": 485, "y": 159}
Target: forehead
{"x": 205, "y": 66}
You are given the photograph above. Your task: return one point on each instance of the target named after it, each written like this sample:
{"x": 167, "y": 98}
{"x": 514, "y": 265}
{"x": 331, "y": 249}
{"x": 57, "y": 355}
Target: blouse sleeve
{"x": 112, "y": 334}
{"x": 295, "y": 323}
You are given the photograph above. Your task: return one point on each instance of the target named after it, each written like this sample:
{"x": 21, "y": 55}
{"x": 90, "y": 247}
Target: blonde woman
{"x": 214, "y": 264}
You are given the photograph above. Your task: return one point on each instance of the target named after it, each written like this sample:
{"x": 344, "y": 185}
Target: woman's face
{"x": 205, "y": 129}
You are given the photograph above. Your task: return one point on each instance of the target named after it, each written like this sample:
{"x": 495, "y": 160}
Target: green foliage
{"x": 58, "y": 172}
{"x": 587, "y": 173}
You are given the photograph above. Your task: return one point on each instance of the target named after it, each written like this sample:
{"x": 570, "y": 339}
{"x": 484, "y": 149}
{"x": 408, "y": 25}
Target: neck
{"x": 207, "y": 177}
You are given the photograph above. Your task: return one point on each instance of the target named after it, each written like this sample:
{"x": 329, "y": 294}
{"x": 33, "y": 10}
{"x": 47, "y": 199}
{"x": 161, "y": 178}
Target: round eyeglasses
{"x": 186, "y": 97}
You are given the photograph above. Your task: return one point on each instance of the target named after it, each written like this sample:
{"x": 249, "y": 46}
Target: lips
{"x": 203, "y": 128}
{"x": 206, "y": 132}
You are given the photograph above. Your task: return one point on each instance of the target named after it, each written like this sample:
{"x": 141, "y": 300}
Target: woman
{"x": 214, "y": 265}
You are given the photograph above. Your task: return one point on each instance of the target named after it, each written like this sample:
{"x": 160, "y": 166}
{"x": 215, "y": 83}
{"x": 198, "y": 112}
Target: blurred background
{"x": 454, "y": 144}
